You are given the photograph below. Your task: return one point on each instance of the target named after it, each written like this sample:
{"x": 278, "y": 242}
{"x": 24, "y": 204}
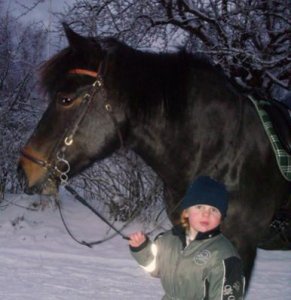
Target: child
{"x": 194, "y": 260}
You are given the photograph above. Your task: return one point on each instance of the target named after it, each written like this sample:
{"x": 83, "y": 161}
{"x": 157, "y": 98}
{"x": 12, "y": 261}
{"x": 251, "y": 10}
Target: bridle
{"x": 57, "y": 165}
{"x": 57, "y": 155}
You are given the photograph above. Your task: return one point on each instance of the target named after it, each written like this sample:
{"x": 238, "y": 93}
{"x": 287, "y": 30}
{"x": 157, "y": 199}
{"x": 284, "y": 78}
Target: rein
{"x": 59, "y": 167}
{"x": 100, "y": 216}
{"x": 85, "y": 203}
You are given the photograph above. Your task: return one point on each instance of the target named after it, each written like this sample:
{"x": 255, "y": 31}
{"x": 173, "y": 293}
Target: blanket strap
{"x": 282, "y": 157}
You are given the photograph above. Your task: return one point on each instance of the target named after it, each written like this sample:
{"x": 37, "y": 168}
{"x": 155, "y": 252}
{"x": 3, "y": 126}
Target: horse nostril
{"x": 23, "y": 182}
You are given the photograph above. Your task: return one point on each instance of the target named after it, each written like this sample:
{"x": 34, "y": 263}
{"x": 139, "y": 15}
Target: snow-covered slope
{"x": 39, "y": 261}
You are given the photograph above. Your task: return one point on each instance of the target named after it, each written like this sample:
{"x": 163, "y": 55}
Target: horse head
{"x": 66, "y": 139}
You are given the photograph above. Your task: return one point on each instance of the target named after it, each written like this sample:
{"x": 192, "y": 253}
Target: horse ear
{"x": 75, "y": 40}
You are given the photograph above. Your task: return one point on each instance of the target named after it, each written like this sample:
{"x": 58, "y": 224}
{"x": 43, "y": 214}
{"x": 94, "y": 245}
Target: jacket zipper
{"x": 175, "y": 273}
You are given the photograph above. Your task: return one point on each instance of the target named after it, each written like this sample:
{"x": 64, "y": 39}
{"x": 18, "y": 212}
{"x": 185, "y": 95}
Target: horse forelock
{"x": 54, "y": 71}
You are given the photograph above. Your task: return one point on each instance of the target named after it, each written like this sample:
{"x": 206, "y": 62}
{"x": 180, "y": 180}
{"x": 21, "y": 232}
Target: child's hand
{"x": 136, "y": 239}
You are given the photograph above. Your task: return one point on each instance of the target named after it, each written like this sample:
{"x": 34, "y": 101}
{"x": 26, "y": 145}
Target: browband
{"x": 84, "y": 72}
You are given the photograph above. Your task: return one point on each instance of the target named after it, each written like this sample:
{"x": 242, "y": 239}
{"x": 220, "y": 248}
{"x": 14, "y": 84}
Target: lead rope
{"x": 57, "y": 200}
{"x": 64, "y": 182}
{"x": 98, "y": 214}
{"x": 84, "y": 202}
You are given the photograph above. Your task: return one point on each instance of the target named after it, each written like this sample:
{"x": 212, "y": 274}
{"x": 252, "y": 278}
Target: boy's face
{"x": 203, "y": 218}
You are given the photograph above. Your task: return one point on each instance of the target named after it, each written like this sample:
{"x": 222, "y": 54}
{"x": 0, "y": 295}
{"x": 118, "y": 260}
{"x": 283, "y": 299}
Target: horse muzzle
{"x": 34, "y": 173}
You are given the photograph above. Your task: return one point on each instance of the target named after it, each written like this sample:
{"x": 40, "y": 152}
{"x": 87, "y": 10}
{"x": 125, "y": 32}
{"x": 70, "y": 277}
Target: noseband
{"x": 57, "y": 165}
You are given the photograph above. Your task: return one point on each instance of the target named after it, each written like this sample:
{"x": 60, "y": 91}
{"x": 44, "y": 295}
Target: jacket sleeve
{"x": 226, "y": 281}
{"x": 146, "y": 256}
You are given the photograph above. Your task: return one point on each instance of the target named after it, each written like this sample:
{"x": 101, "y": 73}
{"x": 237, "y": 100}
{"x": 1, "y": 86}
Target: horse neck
{"x": 179, "y": 151}
{"x": 190, "y": 130}
{"x": 156, "y": 143}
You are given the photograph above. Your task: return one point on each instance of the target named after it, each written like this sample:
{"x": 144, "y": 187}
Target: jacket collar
{"x": 180, "y": 232}
{"x": 208, "y": 234}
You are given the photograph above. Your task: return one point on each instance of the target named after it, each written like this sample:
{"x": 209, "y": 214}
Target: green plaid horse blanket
{"x": 282, "y": 157}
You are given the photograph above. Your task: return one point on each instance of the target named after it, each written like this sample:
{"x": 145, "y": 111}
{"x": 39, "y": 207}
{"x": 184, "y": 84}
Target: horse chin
{"x": 51, "y": 188}
{"x": 48, "y": 188}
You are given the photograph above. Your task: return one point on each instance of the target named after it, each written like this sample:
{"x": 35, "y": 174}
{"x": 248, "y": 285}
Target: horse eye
{"x": 65, "y": 101}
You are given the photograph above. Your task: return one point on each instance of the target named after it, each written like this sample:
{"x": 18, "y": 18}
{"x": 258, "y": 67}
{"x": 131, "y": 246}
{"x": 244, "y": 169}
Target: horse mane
{"x": 148, "y": 83}
{"x": 158, "y": 83}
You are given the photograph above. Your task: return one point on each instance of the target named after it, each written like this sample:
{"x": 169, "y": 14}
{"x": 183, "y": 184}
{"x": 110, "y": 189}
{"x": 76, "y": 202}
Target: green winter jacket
{"x": 209, "y": 268}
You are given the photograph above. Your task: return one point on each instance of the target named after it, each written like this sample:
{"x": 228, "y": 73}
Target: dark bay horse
{"x": 176, "y": 110}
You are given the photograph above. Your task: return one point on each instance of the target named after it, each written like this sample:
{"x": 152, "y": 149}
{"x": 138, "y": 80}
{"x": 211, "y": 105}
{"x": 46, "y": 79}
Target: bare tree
{"x": 249, "y": 40}
{"x": 21, "y": 49}
{"x": 125, "y": 187}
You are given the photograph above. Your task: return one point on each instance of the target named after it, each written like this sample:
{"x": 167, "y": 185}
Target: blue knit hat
{"x": 205, "y": 190}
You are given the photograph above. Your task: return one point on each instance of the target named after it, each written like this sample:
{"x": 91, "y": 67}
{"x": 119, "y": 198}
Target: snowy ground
{"x": 39, "y": 261}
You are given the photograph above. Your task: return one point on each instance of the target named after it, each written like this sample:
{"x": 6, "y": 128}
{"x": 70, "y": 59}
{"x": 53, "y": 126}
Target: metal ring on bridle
{"x": 65, "y": 165}
{"x": 98, "y": 82}
{"x": 69, "y": 140}
{"x": 64, "y": 162}
{"x": 108, "y": 107}
{"x": 64, "y": 178}
{"x": 63, "y": 174}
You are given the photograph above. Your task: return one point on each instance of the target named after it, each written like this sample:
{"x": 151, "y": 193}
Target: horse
{"x": 176, "y": 110}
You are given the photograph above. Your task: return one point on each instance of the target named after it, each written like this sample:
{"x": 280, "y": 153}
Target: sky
{"x": 44, "y": 11}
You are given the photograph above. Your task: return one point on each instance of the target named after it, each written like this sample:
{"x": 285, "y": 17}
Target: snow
{"x": 40, "y": 261}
